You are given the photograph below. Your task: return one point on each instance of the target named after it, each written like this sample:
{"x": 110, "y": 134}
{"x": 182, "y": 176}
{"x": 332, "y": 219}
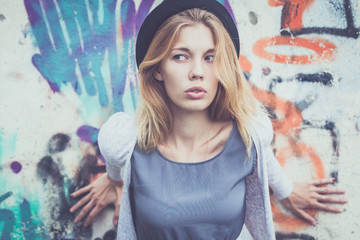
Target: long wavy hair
{"x": 233, "y": 100}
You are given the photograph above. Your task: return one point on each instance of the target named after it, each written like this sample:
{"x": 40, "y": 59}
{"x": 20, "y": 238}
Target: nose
{"x": 197, "y": 71}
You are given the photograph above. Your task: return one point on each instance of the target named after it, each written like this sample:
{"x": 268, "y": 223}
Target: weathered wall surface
{"x": 66, "y": 66}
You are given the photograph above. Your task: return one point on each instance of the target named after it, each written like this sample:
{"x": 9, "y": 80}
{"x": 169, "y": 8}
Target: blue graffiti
{"x": 1, "y": 150}
{"x": 74, "y": 34}
{"x": 88, "y": 134}
{"x": 86, "y": 48}
{"x": 80, "y": 36}
{"x": 28, "y": 224}
{"x": 7, "y": 217}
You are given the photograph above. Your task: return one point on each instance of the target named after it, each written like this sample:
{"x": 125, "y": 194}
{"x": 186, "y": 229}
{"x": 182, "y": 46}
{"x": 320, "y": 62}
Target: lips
{"x": 195, "y": 92}
{"x": 195, "y": 89}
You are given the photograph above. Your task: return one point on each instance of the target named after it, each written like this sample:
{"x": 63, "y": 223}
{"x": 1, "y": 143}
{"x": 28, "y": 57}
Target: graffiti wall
{"x": 67, "y": 65}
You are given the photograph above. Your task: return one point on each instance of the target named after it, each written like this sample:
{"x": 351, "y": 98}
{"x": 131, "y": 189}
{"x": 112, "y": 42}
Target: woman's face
{"x": 187, "y": 71}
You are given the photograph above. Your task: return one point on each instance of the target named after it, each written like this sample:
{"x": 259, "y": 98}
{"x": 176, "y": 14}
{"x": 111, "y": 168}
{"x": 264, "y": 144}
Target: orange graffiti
{"x": 285, "y": 221}
{"x": 287, "y": 122}
{"x": 245, "y": 64}
{"x": 323, "y": 49}
{"x": 276, "y": 3}
{"x": 289, "y": 117}
{"x": 293, "y": 12}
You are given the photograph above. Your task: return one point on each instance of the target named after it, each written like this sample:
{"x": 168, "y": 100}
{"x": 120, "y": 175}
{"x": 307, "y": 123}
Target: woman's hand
{"x": 314, "y": 194}
{"x": 99, "y": 194}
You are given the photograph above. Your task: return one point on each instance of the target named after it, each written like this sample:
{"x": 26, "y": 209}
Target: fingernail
{"x": 71, "y": 210}
{"x": 71, "y": 195}
{"x": 334, "y": 180}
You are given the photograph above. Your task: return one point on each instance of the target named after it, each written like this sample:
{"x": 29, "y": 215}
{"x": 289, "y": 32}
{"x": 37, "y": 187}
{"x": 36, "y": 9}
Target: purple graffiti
{"x": 88, "y": 134}
{"x": 71, "y": 36}
{"x": 16, "y": 167}
{"x": 89, "y": 40}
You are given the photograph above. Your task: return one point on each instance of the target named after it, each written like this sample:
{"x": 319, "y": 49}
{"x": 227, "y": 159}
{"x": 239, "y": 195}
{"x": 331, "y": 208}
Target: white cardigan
{"x": 117, "y": 139}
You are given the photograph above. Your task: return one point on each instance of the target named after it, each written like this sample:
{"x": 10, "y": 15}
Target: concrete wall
{"x": 66, "y": 66}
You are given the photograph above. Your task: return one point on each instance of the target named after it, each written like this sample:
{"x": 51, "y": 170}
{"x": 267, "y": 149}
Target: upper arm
{"x": 278, "y": 181}
{"x": 116, "y": 139}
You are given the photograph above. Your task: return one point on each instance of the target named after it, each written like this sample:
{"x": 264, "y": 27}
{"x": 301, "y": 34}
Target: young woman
{"x": 197, "y": 161}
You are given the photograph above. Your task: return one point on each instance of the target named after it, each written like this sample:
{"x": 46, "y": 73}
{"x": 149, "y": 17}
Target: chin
{"x": 198, "y": 108}
{"x": 192, "y": 106}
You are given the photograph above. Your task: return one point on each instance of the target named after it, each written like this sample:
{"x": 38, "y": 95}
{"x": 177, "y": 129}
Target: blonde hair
{"x": 233, "y": 100}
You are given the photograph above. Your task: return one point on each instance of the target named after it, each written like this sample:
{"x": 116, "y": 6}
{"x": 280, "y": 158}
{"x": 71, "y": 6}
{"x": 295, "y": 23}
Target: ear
{"x": 157, "y": 75}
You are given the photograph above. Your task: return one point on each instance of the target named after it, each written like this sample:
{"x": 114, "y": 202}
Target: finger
{"x": 326, "y": 208}
{"x": 84, "y": 211}
{"x": 307, "y": 217}
{"x": 325, "y": 190}
{"x": 80, "y": 191}
{"x": 322, "y": 198}
{"x": 335, "y": 191}
{"x": 322, "y": 181}
{"x": 321, "y": 190}
{"x": 80, "y": 203}
{"x": 92, "y": 215}
{"x": 328, "y": 199}
{"x": 116, "y": 213}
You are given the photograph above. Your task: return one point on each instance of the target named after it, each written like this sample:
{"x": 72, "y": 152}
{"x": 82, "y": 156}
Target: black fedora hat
{"x": 169, "y": 8}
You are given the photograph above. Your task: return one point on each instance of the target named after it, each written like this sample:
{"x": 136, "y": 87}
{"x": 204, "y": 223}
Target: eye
{"x": 209, "y": 58}
{"x": 180, "y": 57}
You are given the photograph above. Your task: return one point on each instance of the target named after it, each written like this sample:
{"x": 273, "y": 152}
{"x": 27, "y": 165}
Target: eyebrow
{"x": 184, "y": 49}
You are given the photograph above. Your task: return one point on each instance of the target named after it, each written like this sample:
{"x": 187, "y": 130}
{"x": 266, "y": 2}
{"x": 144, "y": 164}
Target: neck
{"x": 190, "y": 129}
{"x": 194, "y": 137}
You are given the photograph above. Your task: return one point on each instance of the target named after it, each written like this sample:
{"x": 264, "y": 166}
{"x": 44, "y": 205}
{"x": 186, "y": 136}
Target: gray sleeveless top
{"x": 205, "y": 200}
